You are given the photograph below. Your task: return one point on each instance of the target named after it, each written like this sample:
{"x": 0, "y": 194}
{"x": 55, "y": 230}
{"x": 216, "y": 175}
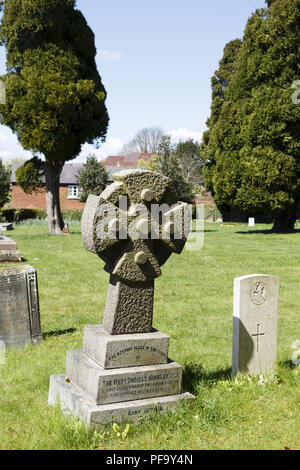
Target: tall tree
{"x": 256, "y": 141}
{"x": 55, "y": 100}
{"x": 4, "y": 184}
{"x": 191, "y": 163}
{"x": 166, "y": 162}
{"x": 92, "y": 178}
{"x": 219, "y": 84}
{"x": 146, "y": 140}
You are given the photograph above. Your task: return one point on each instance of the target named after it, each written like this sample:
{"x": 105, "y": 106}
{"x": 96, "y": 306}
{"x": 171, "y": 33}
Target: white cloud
{"x": 181, "y": 133}
{"x": 105, "y": 55}
{"x": 10, "y": 147}
{"x": 111, "y": 147}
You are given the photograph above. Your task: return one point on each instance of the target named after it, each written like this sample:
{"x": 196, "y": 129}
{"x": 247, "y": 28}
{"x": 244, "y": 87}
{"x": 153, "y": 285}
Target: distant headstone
{"x": 251, "y": 222}
{"x": 123, "y": 369}
{"x": 255, "y": 324}
{"x": 19, "y": 307}
{"x": 7, "y": 226}
{"x": 8, "y": 249}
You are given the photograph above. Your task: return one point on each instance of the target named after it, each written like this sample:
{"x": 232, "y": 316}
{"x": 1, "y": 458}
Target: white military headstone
{"x": 251, "y": 222}
{"x": 255, "y": 315}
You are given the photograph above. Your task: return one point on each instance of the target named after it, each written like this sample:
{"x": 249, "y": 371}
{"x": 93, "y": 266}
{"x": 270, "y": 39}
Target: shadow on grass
{"x": 193, "y": 374}
{"x": 266, "y": 232}
{"x": 288, "y": 365}
{"x": 50, "y": 334}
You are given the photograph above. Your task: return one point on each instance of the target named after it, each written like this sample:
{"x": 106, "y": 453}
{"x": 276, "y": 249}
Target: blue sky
{"x": 156, "y": 59}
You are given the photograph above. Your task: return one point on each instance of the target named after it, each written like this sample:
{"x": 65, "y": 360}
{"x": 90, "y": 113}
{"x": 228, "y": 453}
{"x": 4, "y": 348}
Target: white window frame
{"x": 73, "y": 191}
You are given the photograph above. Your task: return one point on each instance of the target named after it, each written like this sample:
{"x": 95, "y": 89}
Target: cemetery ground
{"x": 193, "y": 305}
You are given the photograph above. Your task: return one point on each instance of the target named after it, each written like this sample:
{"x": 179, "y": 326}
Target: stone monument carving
{"x": 19, "y": 307}
{"x": 255, "y": 324}
{"x": 123, "y": 370}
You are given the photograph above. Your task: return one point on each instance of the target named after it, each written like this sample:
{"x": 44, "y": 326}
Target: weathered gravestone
{"x": 19, "y": 307}
{"x": 255, "y": 324}
{"x": 8, "y": 249}
{"x": 123, "y": 370}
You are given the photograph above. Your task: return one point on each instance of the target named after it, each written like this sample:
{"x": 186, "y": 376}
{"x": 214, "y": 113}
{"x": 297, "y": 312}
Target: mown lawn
{"x": 193, "y": 304}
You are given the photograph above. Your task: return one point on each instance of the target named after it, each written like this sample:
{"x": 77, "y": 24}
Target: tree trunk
{"x": 284, "y": 222}
{"x": 55, "y": 219}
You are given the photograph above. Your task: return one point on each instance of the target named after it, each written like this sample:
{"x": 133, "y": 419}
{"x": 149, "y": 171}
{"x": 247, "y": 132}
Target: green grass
{"x": 193, "y": 304}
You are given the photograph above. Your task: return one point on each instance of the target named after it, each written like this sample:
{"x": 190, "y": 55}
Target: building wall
{"x": 37, "y": 200}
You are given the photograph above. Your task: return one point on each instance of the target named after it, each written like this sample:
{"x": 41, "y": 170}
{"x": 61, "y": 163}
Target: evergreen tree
{"x": 256, "y": 141}
{"x": 4, "y": 184}
{"x": 219, "y": 83}
{"x": 55, "y": 100}
{"x": 167, "y": 163}
{"x": 92, "y": 178}
{"x": 28, "y": 176}
{"x": 191, "y": 163}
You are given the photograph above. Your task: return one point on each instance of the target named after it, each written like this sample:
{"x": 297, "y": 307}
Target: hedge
{"x": 18, "y": 215}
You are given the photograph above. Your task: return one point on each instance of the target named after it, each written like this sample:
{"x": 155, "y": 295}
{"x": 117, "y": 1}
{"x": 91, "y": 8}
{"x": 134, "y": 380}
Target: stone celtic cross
{"x": 134, "y": 226}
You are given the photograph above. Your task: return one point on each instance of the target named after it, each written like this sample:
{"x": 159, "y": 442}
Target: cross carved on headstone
{"x": 134, "y": 226}
{"x": 257, "y": 335}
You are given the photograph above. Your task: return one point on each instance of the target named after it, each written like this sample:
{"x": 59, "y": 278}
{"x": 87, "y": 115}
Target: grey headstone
{"x": 255, "y": 324}
{"x": 123, "y": 370}
{"x": 133, "y": 262}
{"x": 19, "y": 307}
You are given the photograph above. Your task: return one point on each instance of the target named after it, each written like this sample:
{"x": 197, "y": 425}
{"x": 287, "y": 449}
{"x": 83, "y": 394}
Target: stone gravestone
{"x": 251, "y": 222}
{"x": 19, "y": 307}
{"x": 123, "y": 370}
{"x": 255, "y": 324}
{"x": 8, "y": 249}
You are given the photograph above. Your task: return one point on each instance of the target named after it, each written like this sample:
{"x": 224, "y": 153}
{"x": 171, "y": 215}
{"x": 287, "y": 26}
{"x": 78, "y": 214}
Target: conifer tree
{"x": 256, "y": 141}
{"x": 92, "y": 178}
{"x": 166, "y": 162}
{"x": 55, "y": 100}
{"x": 4, "y": 184}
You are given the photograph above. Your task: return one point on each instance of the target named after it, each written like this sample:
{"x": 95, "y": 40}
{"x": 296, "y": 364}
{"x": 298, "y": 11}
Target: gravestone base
{"x": 7, "y": 226}
{"x": 127, "y": 383}
{"x": 10, "y": 256}
{"x": 115, "y": 351}
{"x": 8, "y": 251}
{"x": 117, "y": 377}
{"x": 74, "y": 402}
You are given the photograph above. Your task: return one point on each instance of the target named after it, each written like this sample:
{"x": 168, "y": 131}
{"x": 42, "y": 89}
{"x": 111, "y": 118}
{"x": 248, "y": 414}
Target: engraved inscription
{"x": 258, "y": 293}
{"x": 153, "y": 384}
{"x": 137, "y": 348}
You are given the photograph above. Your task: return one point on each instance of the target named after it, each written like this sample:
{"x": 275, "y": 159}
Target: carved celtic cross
{"x": 134, "y": 226}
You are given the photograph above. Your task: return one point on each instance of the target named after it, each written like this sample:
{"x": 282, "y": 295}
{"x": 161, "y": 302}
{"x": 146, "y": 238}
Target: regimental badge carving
{"x": 258, "y": 293}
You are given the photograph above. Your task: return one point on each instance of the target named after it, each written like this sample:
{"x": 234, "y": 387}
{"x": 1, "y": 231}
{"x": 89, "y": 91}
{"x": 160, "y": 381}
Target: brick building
{"x": 129, "y": 160}
{"x": 68, "y": 191}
